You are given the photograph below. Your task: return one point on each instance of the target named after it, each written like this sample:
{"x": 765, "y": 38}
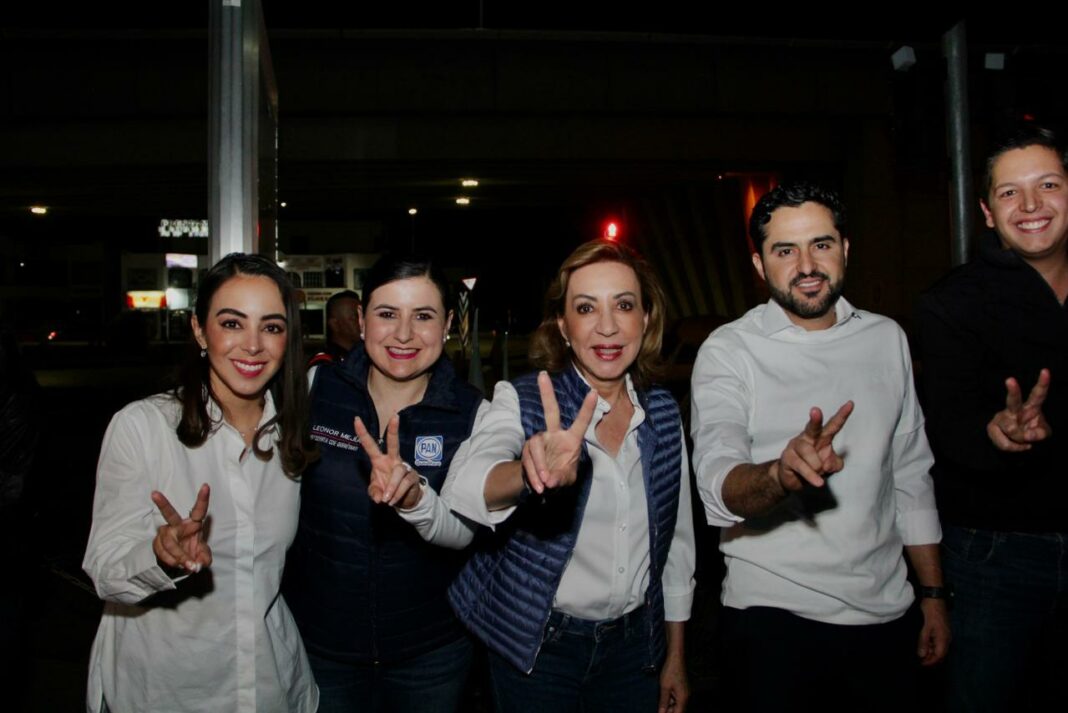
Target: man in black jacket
{"x": 994, "y": 350}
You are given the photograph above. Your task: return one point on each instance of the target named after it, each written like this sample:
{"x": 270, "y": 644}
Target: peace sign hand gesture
{"x": 180, "y": 543}
{"x": 393, "y": 481}
{"x": 550, "y": 458}
{"x": 810, "y": 456}
{"x": 1021, "y": 423}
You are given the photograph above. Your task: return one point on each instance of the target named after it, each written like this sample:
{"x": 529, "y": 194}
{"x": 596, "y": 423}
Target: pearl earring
{"x": 203, "y": 353}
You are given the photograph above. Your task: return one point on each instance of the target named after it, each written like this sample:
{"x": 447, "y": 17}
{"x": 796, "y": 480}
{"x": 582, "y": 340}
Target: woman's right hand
{"x": 550, "y": 458}
{"x": 180, "y": 543}
{"x": 393, "y": 481}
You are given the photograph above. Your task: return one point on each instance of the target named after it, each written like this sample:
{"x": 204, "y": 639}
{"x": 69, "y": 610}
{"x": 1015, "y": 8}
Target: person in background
{"x": 196, "y": 502}
{"x": 367, "y": 592}
{"x": 342, "y": 327}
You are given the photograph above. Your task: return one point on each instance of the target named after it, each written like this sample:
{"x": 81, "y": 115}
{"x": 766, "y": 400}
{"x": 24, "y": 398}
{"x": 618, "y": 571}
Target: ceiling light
{"x": 469, "y": 183}
{"x": 38, "y": 209}
{"x": 413, "y": 211}
{"x": 463, "y": 200}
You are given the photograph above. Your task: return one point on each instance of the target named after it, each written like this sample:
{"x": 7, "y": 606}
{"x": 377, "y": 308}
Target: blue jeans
{"x": 430, "y": 683}
{"x": 1009, "y": 614}
{"x": 582, "y": 665}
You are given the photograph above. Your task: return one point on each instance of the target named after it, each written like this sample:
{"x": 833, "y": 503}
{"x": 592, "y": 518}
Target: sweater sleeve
{"x": 952, "y": 379}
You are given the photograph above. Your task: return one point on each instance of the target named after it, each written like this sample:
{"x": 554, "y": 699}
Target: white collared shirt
{"x": 754, "y": 382}
{"x": 219, "y": 640}
{"x": 608, "y": 572}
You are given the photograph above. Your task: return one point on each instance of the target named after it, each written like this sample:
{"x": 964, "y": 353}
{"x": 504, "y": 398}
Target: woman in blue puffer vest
{"x": 581, "y": 590}
{"x": 368, "y": 594}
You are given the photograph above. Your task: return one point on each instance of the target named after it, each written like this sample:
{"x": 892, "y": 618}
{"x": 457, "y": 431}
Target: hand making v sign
{"x": 810, "y": 456}
{"x": 550, "y": 458}
{"x": 393, "y": 481}
{"x": 1021, "y": 423}
{"x": 180, "y": 543}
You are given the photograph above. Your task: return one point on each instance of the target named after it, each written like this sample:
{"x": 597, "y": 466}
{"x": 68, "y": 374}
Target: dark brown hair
{"x": 547, "y": 347}
{"x": 1021, "y": 136}
{"x": 289, "y": 387}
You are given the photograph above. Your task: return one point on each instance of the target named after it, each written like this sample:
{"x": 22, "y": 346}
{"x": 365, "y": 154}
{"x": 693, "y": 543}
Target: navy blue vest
{"x": 362, "y": 584}
{"x": 505, "y": 593}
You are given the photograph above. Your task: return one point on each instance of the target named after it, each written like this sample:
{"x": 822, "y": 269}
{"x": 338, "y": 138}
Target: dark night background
{"x": 664, "y": 118}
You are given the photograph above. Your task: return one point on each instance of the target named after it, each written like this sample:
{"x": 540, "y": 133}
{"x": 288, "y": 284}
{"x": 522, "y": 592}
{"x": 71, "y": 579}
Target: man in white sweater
{"x": 810, "y": 453}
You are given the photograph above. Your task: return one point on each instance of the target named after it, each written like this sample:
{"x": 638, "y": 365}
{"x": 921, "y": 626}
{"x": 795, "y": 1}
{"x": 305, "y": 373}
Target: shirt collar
{"x": 603, "y": 405}
{"x": 215, "y": 413}
{"x": 776, "y": 320}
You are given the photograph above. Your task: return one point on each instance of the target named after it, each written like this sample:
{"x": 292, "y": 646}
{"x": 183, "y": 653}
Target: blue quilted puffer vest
{"x": 362, "y": 584}
{"x": 505, "y": 592}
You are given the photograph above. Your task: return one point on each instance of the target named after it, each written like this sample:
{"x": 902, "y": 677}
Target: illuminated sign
{"x": 181, "y": 228}
{"x": 181, "y": 260}
{"x": 146, "y": 299}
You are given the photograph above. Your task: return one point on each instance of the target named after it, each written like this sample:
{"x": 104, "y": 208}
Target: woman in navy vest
{"x": 582, "y": 588}
{"x": 368, "y": 593}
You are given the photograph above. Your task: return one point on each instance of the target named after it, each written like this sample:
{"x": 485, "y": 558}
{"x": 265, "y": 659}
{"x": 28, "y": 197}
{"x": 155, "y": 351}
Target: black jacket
{"x": 985, "y": 321}
{"x": 360, "y": 581}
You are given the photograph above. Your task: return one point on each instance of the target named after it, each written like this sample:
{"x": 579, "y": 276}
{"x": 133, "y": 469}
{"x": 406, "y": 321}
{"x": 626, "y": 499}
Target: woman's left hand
{"x": 393, "y": 481}
{"x": 674, "y": 687}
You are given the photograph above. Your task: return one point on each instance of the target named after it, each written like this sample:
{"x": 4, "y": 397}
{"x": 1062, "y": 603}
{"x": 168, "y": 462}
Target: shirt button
{"x": 621, "y": 570}
{"x": 622, "y": 528}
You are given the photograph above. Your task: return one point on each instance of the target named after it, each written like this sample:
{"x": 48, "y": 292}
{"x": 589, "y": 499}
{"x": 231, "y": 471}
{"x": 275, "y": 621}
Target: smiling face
{"x": 404, "y": 326}
{"x": 803, "y": 260}
{"x": 1028, "y": 203}
{"x": 604, "y": 321}
{"x": 244, "y": 336}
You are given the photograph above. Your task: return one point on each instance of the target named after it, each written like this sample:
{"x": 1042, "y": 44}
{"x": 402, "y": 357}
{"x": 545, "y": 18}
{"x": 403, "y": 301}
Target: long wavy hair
{"x": 288, "y": 387}
{"x": 548, "y": 350}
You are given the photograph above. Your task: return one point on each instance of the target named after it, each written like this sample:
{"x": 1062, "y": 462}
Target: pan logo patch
{"x": 429, "y": 450}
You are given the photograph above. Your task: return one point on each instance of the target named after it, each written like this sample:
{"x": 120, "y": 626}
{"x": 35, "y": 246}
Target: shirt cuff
{"x": 711, "y": 491}
{"x": 677, "y": 605}
{"x": 919, "y": 527}
{"x": 148, "y": 579}
{"x": 473, "y": 504}
{"x": 422, "y": 510}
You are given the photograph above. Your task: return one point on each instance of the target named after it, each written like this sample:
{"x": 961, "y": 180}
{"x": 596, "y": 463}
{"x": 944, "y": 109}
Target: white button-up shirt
{"x": 220, "y": 640}
{"x": 838, "y": 560}
{"x": 608, "y": 572}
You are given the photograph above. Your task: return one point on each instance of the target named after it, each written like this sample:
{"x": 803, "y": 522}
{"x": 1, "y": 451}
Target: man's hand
{"x": 935, "y": 634}
{"x": 1021, "y": 423}
{"x": 550, "y": 458}
{"x": 810, "y": 456}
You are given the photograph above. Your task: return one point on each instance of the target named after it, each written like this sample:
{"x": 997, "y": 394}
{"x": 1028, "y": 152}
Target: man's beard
{"x": 808, "y": 309}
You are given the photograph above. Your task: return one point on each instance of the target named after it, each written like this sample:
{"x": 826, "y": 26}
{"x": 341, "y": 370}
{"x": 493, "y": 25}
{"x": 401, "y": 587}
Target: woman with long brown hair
{"x": 193, "y": 620}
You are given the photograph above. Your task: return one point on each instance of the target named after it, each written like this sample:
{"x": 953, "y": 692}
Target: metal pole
{"x": 962, "y": 199}
{"x": 234, "y": 32}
